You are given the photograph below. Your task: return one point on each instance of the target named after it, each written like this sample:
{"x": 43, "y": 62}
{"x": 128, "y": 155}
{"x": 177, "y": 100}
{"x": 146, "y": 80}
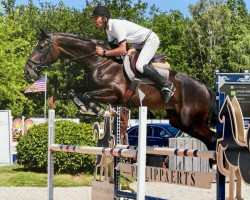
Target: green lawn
{"x": 16, "y": 175}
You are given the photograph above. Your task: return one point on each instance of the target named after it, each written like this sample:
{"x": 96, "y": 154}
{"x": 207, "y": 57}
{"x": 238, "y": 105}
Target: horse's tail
{"x": 213, "y": 107}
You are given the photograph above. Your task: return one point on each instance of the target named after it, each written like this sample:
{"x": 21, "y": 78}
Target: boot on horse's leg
{"x": 167, "y": 89}
{"x": 98, "y": 109}
{"x": 79, "y": 104}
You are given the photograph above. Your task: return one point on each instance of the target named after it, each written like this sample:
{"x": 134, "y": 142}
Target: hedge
{"x": 32, "y": 147}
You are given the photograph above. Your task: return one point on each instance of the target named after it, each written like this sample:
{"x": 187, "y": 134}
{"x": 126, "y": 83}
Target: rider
{"x": 127, "y": 32}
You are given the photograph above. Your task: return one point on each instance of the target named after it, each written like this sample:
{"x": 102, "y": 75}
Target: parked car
{"x": 157, "y": 134}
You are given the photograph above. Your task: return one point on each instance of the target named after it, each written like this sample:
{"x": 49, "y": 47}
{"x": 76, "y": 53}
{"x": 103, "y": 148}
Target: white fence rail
{"x": 187, "y": 163}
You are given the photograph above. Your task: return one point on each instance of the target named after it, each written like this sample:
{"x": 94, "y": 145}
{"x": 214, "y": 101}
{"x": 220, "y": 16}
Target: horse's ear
{"x": 42, "y": 33}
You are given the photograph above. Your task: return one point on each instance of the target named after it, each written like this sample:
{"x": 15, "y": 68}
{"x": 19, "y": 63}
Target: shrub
{"x": 32, "y": 147}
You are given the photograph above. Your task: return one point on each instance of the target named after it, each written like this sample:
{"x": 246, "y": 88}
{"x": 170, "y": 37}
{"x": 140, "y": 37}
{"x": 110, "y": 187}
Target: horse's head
{"x": 51, "y": 46}
{"x": 44, "y": 53}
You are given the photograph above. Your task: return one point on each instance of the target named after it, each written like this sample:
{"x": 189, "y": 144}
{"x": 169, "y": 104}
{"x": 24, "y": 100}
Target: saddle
{"x": 158, "y": 62}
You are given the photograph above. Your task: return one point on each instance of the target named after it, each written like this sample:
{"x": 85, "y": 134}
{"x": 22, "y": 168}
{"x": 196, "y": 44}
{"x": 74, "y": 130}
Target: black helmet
{"x": 101, "y": 11}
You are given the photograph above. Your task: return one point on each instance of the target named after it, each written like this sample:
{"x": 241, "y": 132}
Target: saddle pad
{"x": 160, "y": 58}
{"x": 131, "y": 74}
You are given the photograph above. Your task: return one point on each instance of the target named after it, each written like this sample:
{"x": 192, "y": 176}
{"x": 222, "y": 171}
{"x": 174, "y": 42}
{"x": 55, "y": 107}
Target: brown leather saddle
{"x": 135, "y": 76}
{"x": 134, "y": 57}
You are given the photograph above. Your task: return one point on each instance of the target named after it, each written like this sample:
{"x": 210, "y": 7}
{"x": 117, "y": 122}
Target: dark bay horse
{"x": 188, "y": 109}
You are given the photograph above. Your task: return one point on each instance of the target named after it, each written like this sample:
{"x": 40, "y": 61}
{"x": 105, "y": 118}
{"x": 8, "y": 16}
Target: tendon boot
{"x": 167, "y": 89}
{"x": 79, "y": 104}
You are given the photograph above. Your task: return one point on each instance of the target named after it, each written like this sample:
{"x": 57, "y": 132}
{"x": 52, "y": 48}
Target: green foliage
{"x": 33, "y": 147}
{"x": 171, "y": 31}
{"x": 216, "y": 37}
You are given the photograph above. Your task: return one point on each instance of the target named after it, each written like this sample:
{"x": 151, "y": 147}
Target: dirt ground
{"x": 161, "y": 190}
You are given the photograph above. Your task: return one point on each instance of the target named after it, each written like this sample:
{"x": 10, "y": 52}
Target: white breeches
{"x": 148, "y": 51}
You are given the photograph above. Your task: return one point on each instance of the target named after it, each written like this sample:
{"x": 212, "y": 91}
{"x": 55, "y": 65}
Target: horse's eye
{"x": 39, "y": 47}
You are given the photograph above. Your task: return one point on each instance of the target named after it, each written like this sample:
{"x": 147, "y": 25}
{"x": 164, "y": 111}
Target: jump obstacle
{"x": 119, "y": 151}
{"x": 129, "y": 151}
{"x": 99, "y": 151}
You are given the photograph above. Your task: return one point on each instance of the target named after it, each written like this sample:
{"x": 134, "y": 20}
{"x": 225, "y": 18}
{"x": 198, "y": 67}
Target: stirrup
{"x": 171, "y": 89}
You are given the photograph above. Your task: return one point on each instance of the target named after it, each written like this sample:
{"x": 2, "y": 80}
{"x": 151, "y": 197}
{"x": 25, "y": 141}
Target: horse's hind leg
{"x": 194, "y": 129}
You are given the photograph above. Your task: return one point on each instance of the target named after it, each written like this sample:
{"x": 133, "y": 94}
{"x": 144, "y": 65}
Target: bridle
{"x": 39, "y": 65}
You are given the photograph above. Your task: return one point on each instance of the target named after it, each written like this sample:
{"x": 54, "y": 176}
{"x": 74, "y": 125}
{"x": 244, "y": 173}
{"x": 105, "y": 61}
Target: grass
{"x": 16, "y": 175}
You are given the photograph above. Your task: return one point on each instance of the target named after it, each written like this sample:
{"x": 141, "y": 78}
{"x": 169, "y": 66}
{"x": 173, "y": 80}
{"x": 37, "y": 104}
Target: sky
{"x": 164, "y": 5}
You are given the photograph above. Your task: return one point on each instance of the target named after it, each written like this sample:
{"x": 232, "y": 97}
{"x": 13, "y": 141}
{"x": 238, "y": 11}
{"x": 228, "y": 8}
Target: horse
{"x": 188, "y": 109}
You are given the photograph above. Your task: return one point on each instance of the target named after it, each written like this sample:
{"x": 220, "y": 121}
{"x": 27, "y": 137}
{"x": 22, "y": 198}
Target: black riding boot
{"x": 167, "y": 88}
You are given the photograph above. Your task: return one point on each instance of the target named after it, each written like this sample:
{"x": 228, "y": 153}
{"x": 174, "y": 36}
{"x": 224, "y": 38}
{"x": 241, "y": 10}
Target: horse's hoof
{"x": 110, "y": 113}
{"x": 83, "y": 108}
{"x": 87, "y": 112}
{"x": 71, "y": 93}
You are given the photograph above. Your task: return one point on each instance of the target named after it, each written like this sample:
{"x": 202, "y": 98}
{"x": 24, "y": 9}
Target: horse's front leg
{"x": 93, "y": 98}
{"x": 90, "y": 107}
{"x": 79, "y": 104}
{"x": 106, "y": 95}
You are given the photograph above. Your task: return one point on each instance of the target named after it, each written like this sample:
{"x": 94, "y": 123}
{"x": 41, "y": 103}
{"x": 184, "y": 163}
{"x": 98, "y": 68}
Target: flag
{"x": 51, "y": 102}
{"x": 141, "y": 95}
{"x": 38, "y": 86}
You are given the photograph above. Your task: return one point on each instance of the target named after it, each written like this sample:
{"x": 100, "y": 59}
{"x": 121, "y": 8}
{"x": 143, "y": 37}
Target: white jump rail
{"x": 173, "y": 151}
{"x": 95, "y": 150}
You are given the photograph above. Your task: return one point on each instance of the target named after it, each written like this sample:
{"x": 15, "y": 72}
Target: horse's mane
{"x": 85, "y": 38}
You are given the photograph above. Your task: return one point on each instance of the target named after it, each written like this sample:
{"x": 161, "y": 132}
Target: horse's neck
{"x": 82, "y": 52}
{"x": 73, "y": 47}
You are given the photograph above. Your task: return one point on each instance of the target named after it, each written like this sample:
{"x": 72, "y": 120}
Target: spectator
{"x": 124, "y": 114}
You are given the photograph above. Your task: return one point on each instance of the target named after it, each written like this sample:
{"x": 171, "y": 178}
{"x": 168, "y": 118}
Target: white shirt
{"x": 126, "y": 30}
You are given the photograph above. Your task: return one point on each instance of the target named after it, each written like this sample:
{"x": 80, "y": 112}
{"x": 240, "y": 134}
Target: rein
{"x": 83, "y": 56}
{"x": 39, "y": 65}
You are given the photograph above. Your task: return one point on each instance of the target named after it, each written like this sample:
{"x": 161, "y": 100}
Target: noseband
{"x": 39, "y": 65}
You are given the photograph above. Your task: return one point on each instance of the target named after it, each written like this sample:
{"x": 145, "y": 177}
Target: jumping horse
{"x": 188, "y": 109}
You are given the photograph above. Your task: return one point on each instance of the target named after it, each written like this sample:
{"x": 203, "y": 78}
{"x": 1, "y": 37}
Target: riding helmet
{"x": 101, "y": 11}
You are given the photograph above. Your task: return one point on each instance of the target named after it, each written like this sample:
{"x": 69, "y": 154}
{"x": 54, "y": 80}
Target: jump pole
{"x": 51, "y": 139}
{"x": 141, "y": 167}
{"x": 173, "y": 151}
{"x": 129, "y": 153}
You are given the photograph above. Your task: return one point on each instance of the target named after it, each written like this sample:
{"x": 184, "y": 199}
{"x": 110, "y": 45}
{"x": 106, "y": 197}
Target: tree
{"x": 238, "y": 47}
{"x": 208, "y": 36}
{"x": 18, "y": 33}
{"x": 217, "y": 36}
{"x": 12, "y": 59}
{"x": 171, "y": 31}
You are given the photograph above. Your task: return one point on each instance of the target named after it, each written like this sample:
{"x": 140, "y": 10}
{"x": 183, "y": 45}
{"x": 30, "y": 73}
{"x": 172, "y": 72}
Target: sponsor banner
{"x": 179, "y": 177}
{"x": 102, "y": 190}
{"x": 16, "y": 129}
{"x": 238, "y": 85}
{"x": 28, "y": 124}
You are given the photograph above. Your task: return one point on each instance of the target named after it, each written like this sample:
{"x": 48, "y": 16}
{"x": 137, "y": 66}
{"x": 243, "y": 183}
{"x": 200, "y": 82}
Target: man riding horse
{"x": 127, "y": 32}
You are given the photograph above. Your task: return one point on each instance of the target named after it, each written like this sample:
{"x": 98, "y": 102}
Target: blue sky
{"x": 164, "y": 5}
